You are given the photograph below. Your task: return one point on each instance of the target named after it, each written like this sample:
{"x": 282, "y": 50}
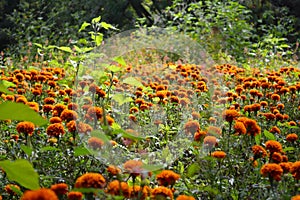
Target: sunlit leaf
{"x": 100, "y": 135}
{"x": 26, "y": 149}
{"x": 120, "y": 60}
{"x": 83, "y": 26}
{"x": 22, "y": 172}
{"x": 98, "y": 39}
{"x": 96, "y": 19}
{"x": 20, "y": 112}
{"x": 152, "y": 168}
{"x": 113, "y": 68}
{"x": 3, "y": 88}
{"x": 257, "y": 139}
{"x": 288, "y": 149}
{"x": 65, "y": 49}
{"x": 269, "y": 135}
{"x": 107, "y": 26}
{"x": 81, "y": 151}
{"x": 121, "y": 99}
{"x": 133, "y": 81}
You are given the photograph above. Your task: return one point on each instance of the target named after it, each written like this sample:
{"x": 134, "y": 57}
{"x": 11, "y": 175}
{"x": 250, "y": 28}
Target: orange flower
{"x": 275, "y": 129}
{"x": 113, "y": 170}
{"x": 55, "y": 120}
{"x": 25, "y": 127}
{"x": 47, "y": 108}
{"x": 276, "y": 157}
{"x": 259, "y": 151}
{"x": 199, "y": 135}
{"x": 185, "y": 197}
{"x": 95, "y": 143}
{"x": 213, "y": 130}
{"x": 295, "y": 170}
{"x": 75, "y": 195}
{"x": 230, "y": 115}
{"x": 286, "y": 166}
{"x": 167, "y": 177}
{"x": 59, "y": 108}
{"x": 297, "y": 197}
{"x": 273, "y": 146}
{"x": 59, "y": 188}
{"x": 275, "y": 97}
{"x": 139, "y": 192}
{"x": 210, "y": 141}
{"x": 118, "y": 188}
{"x": 191, "y": 126}
{"x": 292, "y": 137}
{"x": 273, "y": 170}
{"x": 251, "y": 126}
{"x": 49, "y": 100}
{"x": 8, "y": 189}
{"x": 133, "y": 167}
{"x": 95, "y": 111}
{"x": 68, "y": 115}
{"x": 90, "y": 180}
{"x": 239, "y": 128}
{"x": 40, "y": 194}
{"x": 55, "y": 130}
{"x": 218, "y": 154}
{"x": 161, "y": 192}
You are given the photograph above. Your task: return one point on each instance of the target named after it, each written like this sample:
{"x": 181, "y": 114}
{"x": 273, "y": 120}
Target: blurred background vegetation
{"x": 229, "y": 29}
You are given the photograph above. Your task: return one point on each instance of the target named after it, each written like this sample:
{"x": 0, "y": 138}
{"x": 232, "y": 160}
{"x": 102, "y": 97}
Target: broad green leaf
{"x": 127, "y": 135}
{"x": 133, "y": 81}
{"x": 81, "y": 151}
{"x": 26, "y": 149}
{"x": 152, "y": 168}
{"x": 96, "y": 19}
{"x": 120, "y": 60}
{"x": 121, "y": 99}
{"x": 113, "y": 68}
{"x": 269, "y": 135}
{"x": 288, "y": 149}
{"x": 193, "y": 169}
{"x": 49, "y": 148}
{"x": 8, "y": 84}
{"x": 4, "y": 89}
{"x": 65, "y": 49}
{"x": 107, "y": 26}
{"x": 257, "y": 139}
{"x": 22, "y": 172}
{"x": 83, "y": 26}
{"x": 20, "y": 112}
{"x": 102, "y": 136}
{"x": 98, "y": 39}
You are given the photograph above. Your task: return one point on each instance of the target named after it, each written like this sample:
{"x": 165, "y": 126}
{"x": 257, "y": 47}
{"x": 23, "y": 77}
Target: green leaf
{"x": 20, "y": 112}
{"x": 3, "y": 88}
{"x": 102, "y": 136}
{"x": 98, "y": 39}
{"x": 152, "y": 168}
{"x": 288, "y": 149}
{"x": 81, "y": 151}
{"x": 107, "y": 26}
{"x": 193, "y": 169}
{"x": 38, "y": 45}
{"x": 96, "y": 19}
{"x": 8, "y": 84}
{"x": 26, "y": 149}
{"x": 83, "y": 26}
{"x": 22, "y": 172}
{"x": 257, "y": 139}
{"x": 127, "y": 135}
{"x": 121, "y": 99}
{"x": 113, "y": 68}
{"x": 49, "y": 148}
{"x": 269, "y": 135}
{"x": 120, "y": 60}
{"x": 133, "y": 81}
{"x": 65, "y": 49}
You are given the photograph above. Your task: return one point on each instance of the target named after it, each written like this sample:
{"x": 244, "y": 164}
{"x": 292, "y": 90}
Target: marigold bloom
{"x": 272, "y": 170}
{"x": 213, "y": 130}
{"x": 139, "y": 192}
{"x": 230, "y": 115}
{"x": 292, "y": 137}
{"x": 49, "y": 100}
{"x": 40, "y": 194}
{"x": 8, "y": 188}
{"x": 239, "y": 128}
{"x": 297, "y": 197}
{"x": 95, "y": 112}
{"x": 90, "y": 180}
{"x": 113, "y": 170}
{"x": 118, "y": 188}
{"x": 25, "y": 127}
{"x": 75, "y": 195}
{"x": 161, "y": 192}
{"x": 55, "y": 130}
{"x": 59, "y": 108}
{"x": 95, "y": 143}
{"x": 210, "y": 141}
{"x": 47, "y": 108}
{"x": 276, "y": 157}
{"x": 191, "y": 126}
{"x": 199, "y": 135}
{"x": 275, "y": 129}
{"x": 133, "y": 167}
{"x": 273, "y": 146}
{"x": 286, "y": 166}
{"x": 275, "y": 97}
{"x": 218, "y": 154}
{"x": 258, "y": 151}
{"x": 68, "y": 115}
{"x": 185, "y": 197}
{"x": 295, "y": 170}
{"x": 167, "y": 177}
{"x": 59, "y": 188}
{"x": 55, "y": 120}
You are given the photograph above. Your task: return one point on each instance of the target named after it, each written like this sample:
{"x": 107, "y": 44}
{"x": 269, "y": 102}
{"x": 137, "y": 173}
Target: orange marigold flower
{"x": 59, "y": 108}
{"x": 40, "y": 194}
{"x": 95, "y": 111}
{"x": 90, "y": 180}
{"x": 258, "y": 151}
{"x": 139, "y": 192}
{"x": 73, "y": 195}
{"x": 49, "y": 100}
{"x": 118, "y": 188}
{"x": 210, "y": 141}
{"x": 269, "y": 116}
{"x": 25, "y": 127}
{"x": 195, "y": 115}
{"x": 199, "y": 135}
{"x": 292, "y": 137}
{"x": 273, "y": 146}
{"x": 286, "y": 166}
{"x": 59, "y": 188}
{"x": 275, "y": 97}
{"x": 47, "y": 108}
{"x": 161, "y": 192}
{"x": 213, "y": 130}
{"x": 218, "y": 154}
{"x": 68, "y": 115}
{"x": 55, "y": 120}
{"x": 185, "y": 197}
{"x": 113, "y": 170}
{"x": 55, "y": 130}
{"x": 191, "y": 126}
{"x": 9, "y": 190}
{"x": 230, "y": 115}
{"x": 292, "y": 123}
{"x": 167, "y": 177}
{"x": 295, "y": 170}
{"x": 297, "y": 197}
{"x": 272, "y": 170}
{"x": 239, "y": 128}
{"x": 95, "y": 143}
{"x": 275, "y": 129}
{"x": 133, "y": 167}
{"x": 276, "y": 157}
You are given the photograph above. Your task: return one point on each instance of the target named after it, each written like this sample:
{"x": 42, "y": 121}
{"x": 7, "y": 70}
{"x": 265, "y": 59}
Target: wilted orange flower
{"x": 118, "y": 188}
{"x": 55, "y": 130}
{"x": 191, "y": 126}
{"x": 218, "y": 154}
{"x": 258, "y": 151}
{"x": 273, "y": 146}
{"x": 40, "y": 194}
{"x": 161, "y": 192}
{"x": 292, "y": 137}
{"x": 90, "y": 180}
{"x": 133, "y": 167}
{"x": 8, "y": 189}
{"x": 95, "y": 143}
{"x": 272, "y": 170}
{"x": 210, "y": 141}
{"x": 73, "y": 195}
{"x": 230, "y": 115}
{"x": 167, "y": 177}
{"x": 25, "y": 127}
{"x": 113, "y": 170}
{"x": 295, "y": 170}
{"x": 59, "y": 188}
{"x": 185, "y": 197}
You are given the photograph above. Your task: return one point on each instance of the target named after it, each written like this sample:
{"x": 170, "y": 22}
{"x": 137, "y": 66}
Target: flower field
{"x": 164, "y": 131}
